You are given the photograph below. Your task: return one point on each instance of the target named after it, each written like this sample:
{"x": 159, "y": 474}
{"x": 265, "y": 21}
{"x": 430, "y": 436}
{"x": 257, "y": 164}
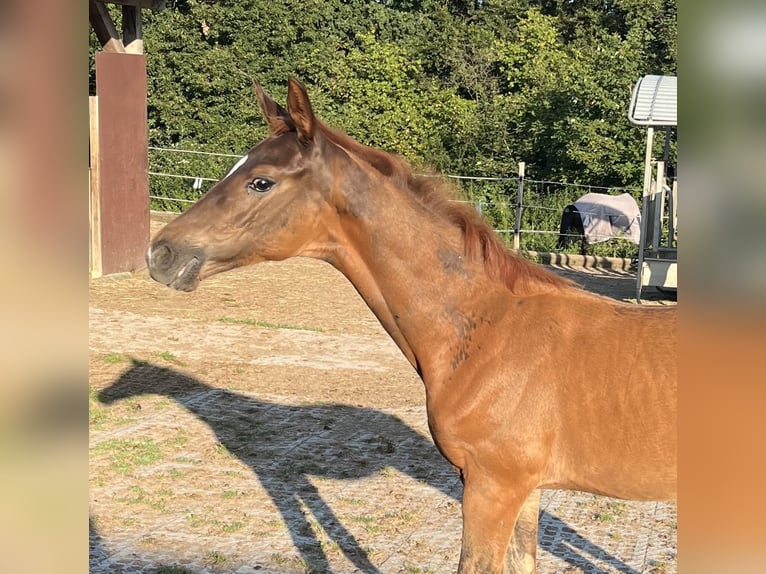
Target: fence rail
{"x": 529, "y": 212}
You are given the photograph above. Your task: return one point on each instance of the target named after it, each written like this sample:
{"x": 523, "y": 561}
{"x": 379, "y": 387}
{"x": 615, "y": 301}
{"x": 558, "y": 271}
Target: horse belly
{"x": 617, "y": 477}
{"x": 625, "y": 450}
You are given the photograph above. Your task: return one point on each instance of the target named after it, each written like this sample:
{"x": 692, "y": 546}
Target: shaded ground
{"x": 266, "y": 423}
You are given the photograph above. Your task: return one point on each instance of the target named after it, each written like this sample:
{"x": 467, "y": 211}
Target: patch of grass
{"x": 169, "y": 357}
{"x": 369, "y": 523}
{"x": 412, "y": 569}
{"x": 175, "y": 473}
{"x": 186, "y": 460}
{"x": 329, "y": 546}
{"x": 152, "y": 500}
{"x": 128, "y": 522}
{"x": 372, "y": 552}
{"x": 402, "y": 516}
{"x": 388, "y": 472}
{"x": 280, "y": 559}
{"x": 127, "y": 454}
{"x": 223, "y": 451}
{"x": 195, "y": 520}
{"x": 97, "y": 413}
{"x": 113, "y": 358}
{"x": 179, "y": 440}
{"x": 215, "y": 558}
{"x": 138, "y": 495}
{"x": 97, "y": 416}
{"x": 290, "y": 562}
{"x": 266, "y": 324}
{"x": 354, "y": 501}
{"x": 317, "y": 529}
{"x": 232, "y": 527}
{"x": 613, "y": 510}
{"x": 364, "y": 519}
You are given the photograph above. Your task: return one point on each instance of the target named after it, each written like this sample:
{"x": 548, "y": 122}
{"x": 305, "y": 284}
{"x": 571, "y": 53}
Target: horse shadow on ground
{"x": 285, "y": 445}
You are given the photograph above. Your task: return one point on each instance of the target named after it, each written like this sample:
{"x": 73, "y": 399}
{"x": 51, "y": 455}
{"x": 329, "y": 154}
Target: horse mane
{"x": 481, "y": 242}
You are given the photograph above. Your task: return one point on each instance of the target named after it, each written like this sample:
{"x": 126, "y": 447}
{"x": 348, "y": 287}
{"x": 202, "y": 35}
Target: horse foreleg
{"x": 490, "y": 509}
{"x": 522, "y": 551}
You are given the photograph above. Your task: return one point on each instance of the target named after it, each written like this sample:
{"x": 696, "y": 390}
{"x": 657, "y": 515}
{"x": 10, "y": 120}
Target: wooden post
{"x": 123, "y": 161}
{"x": 132, "y": 32}
{"x": 519, "y": 207}
{"x": 104, "y": 27}
{"x": 94, "y": 191}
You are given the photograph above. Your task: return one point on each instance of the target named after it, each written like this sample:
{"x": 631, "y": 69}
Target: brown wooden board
{"x": 124, "y": 163}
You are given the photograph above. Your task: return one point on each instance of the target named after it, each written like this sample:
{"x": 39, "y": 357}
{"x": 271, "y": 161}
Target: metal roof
{"x": 653, "y": 102}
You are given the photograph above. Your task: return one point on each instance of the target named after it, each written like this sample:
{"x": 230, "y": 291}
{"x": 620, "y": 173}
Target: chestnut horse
{"x": 530, "y": 381}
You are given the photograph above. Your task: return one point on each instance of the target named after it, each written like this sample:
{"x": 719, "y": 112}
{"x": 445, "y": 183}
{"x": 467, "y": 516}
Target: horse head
{"x": 273, "y": 204}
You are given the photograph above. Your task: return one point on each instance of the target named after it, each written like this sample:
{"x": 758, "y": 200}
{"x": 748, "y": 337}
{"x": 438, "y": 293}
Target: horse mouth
{"x": 187, "y": 278}
{"x": 177, "y": 269}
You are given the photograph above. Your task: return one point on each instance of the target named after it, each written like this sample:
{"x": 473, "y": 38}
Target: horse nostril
{"x": 161, "y": 257}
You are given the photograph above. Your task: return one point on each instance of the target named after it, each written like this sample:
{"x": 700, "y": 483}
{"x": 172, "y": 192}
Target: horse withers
{"x": 530, "y": 381}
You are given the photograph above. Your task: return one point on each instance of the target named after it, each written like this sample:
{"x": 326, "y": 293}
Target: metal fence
{"x": 527, "y": 212}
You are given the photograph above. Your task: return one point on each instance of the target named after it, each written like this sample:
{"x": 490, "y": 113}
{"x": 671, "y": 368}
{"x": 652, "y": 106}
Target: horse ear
{"x": 275, "y": 115}
{"x": 299, "y": 108}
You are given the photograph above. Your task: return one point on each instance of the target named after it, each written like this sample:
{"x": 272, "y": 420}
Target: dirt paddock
{"x": 266, "y": 423}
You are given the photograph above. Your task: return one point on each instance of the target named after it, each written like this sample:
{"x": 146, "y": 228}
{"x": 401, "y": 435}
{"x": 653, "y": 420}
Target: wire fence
{"x": 525, "y": 211}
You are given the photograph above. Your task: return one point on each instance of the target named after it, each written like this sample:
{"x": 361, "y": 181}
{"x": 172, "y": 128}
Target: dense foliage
{"x": 466, "y": 87}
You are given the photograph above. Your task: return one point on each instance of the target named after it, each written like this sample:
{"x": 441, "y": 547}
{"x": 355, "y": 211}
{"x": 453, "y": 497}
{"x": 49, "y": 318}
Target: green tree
{"x": 467, "y": 86}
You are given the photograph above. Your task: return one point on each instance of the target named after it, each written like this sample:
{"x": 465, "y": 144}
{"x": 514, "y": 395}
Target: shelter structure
{"x": 119, "y": 154}
{"x": 653, "y": 105}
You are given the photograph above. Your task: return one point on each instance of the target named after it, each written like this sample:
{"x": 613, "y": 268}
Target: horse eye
{"x": 260, "y": 185}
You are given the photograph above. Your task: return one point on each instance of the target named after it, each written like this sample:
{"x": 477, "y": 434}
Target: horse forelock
{"x": 440, "y": 197}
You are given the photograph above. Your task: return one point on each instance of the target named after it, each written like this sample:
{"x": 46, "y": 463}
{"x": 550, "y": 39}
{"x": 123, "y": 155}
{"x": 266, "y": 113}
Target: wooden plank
{"x": 124, "y": 161}
{"x": 94, "y": 191}
{"x": 132, "y": 33}
{"x": 104, "y": 27}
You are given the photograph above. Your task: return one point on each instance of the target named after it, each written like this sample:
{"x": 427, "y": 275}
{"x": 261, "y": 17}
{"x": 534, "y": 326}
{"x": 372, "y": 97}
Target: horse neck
{"x": 409, "y": 268}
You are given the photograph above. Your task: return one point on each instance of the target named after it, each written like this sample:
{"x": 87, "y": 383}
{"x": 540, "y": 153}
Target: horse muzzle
{"x": 175, "y": 268}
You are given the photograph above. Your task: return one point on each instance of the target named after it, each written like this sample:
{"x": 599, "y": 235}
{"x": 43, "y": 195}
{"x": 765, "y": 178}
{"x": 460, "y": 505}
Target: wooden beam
{"x": 94, "y": 191}
{"x": 132, "y": 33}
{"x": 104, "y": 27}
